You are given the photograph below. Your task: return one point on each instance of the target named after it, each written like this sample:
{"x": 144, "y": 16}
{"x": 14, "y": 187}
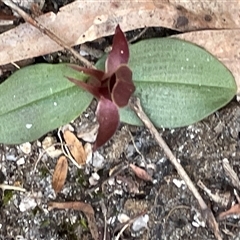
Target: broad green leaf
{"x": 38, "y": 99}
{"x": 178, "y": 83}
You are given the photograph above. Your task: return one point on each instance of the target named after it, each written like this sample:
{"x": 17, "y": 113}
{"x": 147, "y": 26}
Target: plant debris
{"x": 60, "y": 174}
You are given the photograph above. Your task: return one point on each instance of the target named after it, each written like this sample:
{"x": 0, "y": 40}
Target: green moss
{"x": 44, "y": 172}
{"x": 81, "y": 178}
{"x": 83, "y": 223}
{"x": 7, "y": 196}
{"x": 45, "y": 223}
{"x": 36, "y": 210}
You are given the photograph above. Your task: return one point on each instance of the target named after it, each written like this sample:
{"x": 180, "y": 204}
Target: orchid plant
{"x": 112, "y": 87}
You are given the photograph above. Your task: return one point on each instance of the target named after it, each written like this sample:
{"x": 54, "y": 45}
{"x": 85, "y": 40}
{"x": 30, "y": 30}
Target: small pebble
{"x": 118, "y": 192}
{"x": 20, "y": 161}
{"x": 26, "y": 147}
{"x": 98, "y": 161}
{"x": 140, "y": 223}
{"x": 178, "y": 183}
{"x": 93, "y": 180}
{"x": 122, "y": 218}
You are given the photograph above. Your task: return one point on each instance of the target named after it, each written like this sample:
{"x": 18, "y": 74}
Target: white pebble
{"x": 98, "y": 161}
{"x": 83, "y": 53}
{"x": 20, "y": 161}
{"x": 111, "y": 181}
{"x": 122, "y": 218}
{"x": 118, "y": 192}
{"x": 195, "y": 224}
{"x": 26, "y": 147}
{"x": 178, "y": 183}
{"x": 27, "y": 203}
{"x": 11, "y": 157}
{"x": 95, "y": 176}
{"x": 140, "y": 223}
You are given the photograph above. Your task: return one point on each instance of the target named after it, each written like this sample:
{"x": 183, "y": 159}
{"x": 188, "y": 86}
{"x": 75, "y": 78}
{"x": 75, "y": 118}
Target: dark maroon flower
{"x": 112, "y": 88}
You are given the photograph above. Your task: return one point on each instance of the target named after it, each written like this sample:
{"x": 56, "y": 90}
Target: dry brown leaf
{"x": 223, "y": 44}
{"x": 75, "y": 147}
{"x": 83, "y": 21}
{"x": 60, "y": 174}
{"x": 141, "y": 173}
{"x": 232, "y": 212}
{"x": 81, "y": 206}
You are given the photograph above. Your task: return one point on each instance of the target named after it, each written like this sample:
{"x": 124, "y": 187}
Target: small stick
{"x": 138, "y": 35}
{"x": 207, "y": 214}
{"x": 231, "y": 173}
{"x": 47, "y": 32}
{"x": 9, "y": 187}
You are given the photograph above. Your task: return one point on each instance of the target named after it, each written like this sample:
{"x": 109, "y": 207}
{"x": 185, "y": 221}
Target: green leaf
{"x": 38, "y": 99}
{"x": 178, "y": 82}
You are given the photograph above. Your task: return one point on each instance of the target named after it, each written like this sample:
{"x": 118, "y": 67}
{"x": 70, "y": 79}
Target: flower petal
{"x": 108, "y": 119}
{"x": 119, "y": 54}
{"x": 91, "y": 89}
{"x": 123, "y": 87}
{"x": 95, "y": 73}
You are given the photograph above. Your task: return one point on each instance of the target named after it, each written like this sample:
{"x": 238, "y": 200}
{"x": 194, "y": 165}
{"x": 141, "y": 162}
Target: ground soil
{"x": 172, "y": 210}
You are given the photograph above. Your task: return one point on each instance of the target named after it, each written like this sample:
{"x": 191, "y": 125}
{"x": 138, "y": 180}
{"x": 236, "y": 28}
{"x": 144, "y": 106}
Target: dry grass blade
{"x": 141, "y": 173}
{"x": 81, "y": 206}
{"x": 60, "y": 174}
{"x": 75, "y": 147}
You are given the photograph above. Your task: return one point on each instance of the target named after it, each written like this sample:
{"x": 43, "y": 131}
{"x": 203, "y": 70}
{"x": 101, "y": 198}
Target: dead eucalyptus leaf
{"x": 60, "y": 174}
{"x": 100, "y": 19}
{"x": 75, "y": 147}
{"x": 141, "y": 173}
{"x": 81, "y": 206}
{"x": 232, "y": 212}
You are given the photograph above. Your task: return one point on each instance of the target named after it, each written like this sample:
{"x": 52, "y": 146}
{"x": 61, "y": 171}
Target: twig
{"x": 9, "y": 187}
{"x": 218, "y": 197}
{"x": 42, "y": 154}
{"x": 128, "y": 223}
{"x": 230, "y": 173}
{"x": 104, "y": 212}
{"x": 175, "y": 208}
{"x": 138, "y": 35}
{"x": 206, "y": 212}
{"x": 122, "y": 230}
{"x": 47, "y": 32}
{"x": 136, "y": 148}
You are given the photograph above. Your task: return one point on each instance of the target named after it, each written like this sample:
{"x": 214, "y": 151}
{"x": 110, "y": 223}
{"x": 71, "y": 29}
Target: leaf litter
{"x": 80, "y": 206}
{"x": 75, "y": 147}
{"x": 60, "y": 174}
